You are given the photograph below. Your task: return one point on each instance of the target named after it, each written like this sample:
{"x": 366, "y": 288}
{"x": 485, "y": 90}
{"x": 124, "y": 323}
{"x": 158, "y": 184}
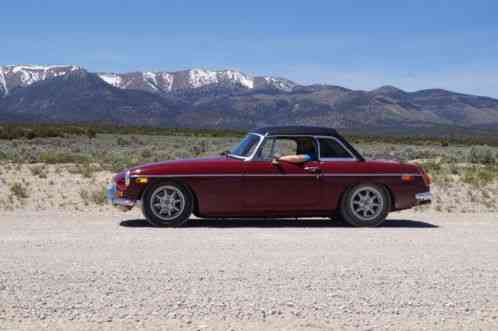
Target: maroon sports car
{"x": 254, "y": 179}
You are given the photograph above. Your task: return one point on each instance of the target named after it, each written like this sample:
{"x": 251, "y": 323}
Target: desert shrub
{"x": 480, "y": 176}
{"x": 453, "y": 169}
{"x": 85, "y": 169}
{"x": 19, "y": 191}
{"x": 95, "y": 196}
{"x": 85, "y": 196}
{"x": 118, "y": 162}
{"x": 431, "y": 167}
{"x": 453, "y": 158}
{"x": 39, "y": 171}
{"x": 3, "y": 156}
{"x": 91, "y": 133}
{"x": 146, "y": 153}
{"x": 199, "y": 148}
{"x": 181, "y": 154}
{"x": 482, "y": 155}
{"x": 99, "y": 196}
{"x": 137, "y": 141}
{"x": 52, "y": 157}
{"x": 122, "y": 142}
{"x": 408, "y": 153}
{"x": 11, "y": 132}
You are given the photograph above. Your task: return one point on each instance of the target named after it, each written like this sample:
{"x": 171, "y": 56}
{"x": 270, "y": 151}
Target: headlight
{"x": 127, "y": 178}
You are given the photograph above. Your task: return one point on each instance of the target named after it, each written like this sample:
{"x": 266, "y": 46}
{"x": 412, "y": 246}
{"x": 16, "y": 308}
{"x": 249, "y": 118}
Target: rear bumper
{"x": 423, "y": 198}
{"x": 112, "y": 197}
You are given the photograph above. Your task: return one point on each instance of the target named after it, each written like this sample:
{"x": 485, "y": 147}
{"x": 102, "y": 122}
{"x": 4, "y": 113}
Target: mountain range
{"x": 227, "y": 99}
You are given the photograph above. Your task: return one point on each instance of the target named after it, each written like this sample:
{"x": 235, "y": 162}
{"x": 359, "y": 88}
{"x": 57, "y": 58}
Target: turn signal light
{"x": 407, "y": 178}
{"x": 142, "y": 180}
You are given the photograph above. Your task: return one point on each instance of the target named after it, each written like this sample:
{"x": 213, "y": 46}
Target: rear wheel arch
{"x": 384, "y": 186}
{"x": 391, "y": 195}
{"x": 342, "y": 213}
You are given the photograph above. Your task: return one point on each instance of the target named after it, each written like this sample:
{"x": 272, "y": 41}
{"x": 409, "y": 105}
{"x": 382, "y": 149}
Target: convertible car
{"x": 257, "y": 179}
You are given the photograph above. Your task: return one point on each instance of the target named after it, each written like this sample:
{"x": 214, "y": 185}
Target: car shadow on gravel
{"x": 277, "y": 223}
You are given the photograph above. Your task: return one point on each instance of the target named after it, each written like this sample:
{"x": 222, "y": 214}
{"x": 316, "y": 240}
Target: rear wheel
{"x": 167, "y": 204}
{"x": 365, "y": 205}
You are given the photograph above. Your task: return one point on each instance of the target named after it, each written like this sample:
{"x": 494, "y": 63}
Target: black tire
{"x": 338, "y": 219}
{"x": 151, "y": 196}
{"x": 352, "y": 212}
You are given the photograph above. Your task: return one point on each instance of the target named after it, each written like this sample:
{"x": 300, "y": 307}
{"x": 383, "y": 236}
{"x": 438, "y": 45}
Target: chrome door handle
{"x": 313, "y": 170}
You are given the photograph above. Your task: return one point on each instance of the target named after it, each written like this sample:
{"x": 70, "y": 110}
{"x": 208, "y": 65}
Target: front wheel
{"x": 365, "y": 205}
{"x": 167, "y": 204}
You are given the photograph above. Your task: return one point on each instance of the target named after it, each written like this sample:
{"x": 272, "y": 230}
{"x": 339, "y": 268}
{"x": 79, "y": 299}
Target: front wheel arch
{"x": 189, "y": 196}
{"x": 153, "y": 181}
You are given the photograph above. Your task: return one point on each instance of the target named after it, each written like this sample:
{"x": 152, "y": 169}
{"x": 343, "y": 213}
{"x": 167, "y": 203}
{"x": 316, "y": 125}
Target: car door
{"x": 338, "y": 166}
{"x": 284, "y": 187}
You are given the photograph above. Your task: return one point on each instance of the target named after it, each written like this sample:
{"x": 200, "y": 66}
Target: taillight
{"x": 407, "y": 178}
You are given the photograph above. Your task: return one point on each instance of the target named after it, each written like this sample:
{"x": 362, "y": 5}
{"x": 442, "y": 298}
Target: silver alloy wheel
{"x": 167, "y": 202}
{"x": 367, "y": 203}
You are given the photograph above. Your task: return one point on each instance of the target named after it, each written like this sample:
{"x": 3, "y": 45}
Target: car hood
{"x": 207, "y": 165}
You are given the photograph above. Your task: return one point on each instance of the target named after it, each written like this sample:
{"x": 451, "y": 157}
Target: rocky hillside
{"x": 227, "y": 99}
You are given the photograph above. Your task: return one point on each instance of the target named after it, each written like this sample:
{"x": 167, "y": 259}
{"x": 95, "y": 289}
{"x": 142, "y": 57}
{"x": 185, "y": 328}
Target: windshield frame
{"x": 256, "y": 148}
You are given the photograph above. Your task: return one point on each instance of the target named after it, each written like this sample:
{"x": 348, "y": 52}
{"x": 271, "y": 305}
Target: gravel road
{"x": 419, "y": 271}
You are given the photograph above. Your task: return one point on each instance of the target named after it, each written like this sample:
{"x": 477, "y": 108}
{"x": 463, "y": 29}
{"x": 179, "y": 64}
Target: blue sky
{"x": 357, "y": 44}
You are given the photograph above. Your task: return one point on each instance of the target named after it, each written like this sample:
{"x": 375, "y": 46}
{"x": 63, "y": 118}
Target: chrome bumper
{"x": 423, "y": 198}
{"x": 114, "y": 200}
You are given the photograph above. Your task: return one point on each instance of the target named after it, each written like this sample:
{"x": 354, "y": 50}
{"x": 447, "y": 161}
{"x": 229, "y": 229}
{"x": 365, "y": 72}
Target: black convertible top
{"x": 308, "y": 130}
{"x": 297, "y": 130}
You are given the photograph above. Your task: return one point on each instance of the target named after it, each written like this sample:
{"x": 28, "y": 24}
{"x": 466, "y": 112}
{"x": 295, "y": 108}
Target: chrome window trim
{"x": 258, "y": 146}
{"x": 238, "y": 157}
{"x": 317, "y": 142}
{"x": 338, "y": 159}
{"x": 248, "y": 158}
{"x": 267, "y": 136}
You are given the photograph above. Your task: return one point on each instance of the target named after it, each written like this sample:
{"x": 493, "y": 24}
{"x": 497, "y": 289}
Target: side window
{"x": 272, "y": 146}
{"x": 265, "y": 153}
{"x": 330, "y": 148}
{"x": 285, "y": 147}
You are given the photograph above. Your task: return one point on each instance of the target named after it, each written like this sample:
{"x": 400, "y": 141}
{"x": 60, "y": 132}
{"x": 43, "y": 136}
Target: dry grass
{"x": 19, "y": 191}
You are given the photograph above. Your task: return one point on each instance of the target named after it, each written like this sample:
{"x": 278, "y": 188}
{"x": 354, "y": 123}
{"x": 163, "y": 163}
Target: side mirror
{"x": 276, "y": 158}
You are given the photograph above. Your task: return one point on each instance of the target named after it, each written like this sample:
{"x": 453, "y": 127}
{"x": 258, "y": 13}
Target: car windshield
{"x": 246, "y": 147}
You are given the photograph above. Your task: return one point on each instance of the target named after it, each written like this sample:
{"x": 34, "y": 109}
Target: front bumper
{"x": 423, "y": 198}
{"x": 112, "y": 197}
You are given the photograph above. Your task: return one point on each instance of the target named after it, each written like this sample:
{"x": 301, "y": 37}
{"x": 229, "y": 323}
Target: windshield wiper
{"x": 233, "y": 156}
{"x": 227, "y": 154}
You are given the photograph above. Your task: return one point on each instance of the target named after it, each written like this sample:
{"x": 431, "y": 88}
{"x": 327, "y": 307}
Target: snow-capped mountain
{"x": 14, "y": 76}
{"x": 192, "y": 79}
{"x": 225, "y": 99}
